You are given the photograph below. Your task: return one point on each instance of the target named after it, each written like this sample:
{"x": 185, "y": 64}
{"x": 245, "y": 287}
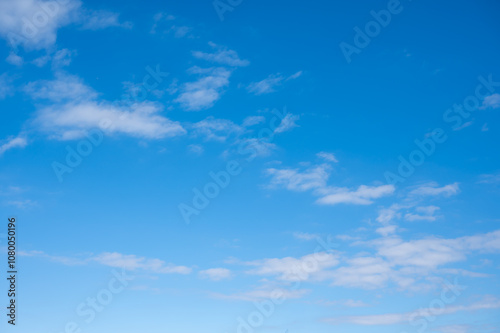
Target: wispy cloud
{"x": 310, "y": 266}
{"x": 253, "y": 120}
{"x": 271, "y": 83}
{"x": 305, "y": 236}
{"x": 222, "y": 56}
{"x": 211, "y": 128}
{"x": 327, "y": 156}
{"x": 206, "y": 90}
{"x": 432, "y": 189}
{"x": 315, "y": 179}
{"x": 488, "y": 302}
{"x": 6, "y": 88}
{"x": 492, "y": 101}
{"x": 296, "y": 180}
{"x": 16, "y": 15}
{"x": 118, "y": 260}
{"x": 287, "y": 123}
{"x": 363, "y": 195}
{"x": 12, "y": 142}
{"x": 215, "y": 274}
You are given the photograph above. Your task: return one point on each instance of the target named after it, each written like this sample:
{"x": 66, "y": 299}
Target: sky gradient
{"x": 252, "y": 166}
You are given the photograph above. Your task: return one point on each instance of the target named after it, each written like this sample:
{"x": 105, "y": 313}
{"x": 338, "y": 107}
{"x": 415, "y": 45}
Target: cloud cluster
{"x": 270, "y": 84}
{"x": 315, "y": 179}
{"x": 74, "y": 109}
{"x": 33, "y": 24}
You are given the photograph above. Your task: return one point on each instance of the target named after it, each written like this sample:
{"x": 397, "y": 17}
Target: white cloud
{"x": 404, "y": 262}
{"x": 76, "y": 111}
{"x": 114, "y": 259}
{"x": 101, "y": 19}
{"x": 181, "y": 31}
{"x": 34, "y": 23}
{"x": 222, "y": 56}
{"x": 14, "y": 59}
{"x": 258, "y": 147}
{"x": 253, "y": 120}
{"x": 266, "y": 292}
{"x": 424, "y": 214}
{"x": 489, "y": 179}
{"x": 416, "y": 217}
{"x": 13, "y": 142}
{"x": 432, "y": 189}
{"x": 294, "y": 76}
{"x": 295, "y": 269}
{"x": 215, "y": 129}
{"x": 387, "y": 215}
{"x": 294, "y": 180}
{"x": 305, "y": 236}
{"x": 492, "y": 101}
{"x": 64, "y": 87}
{"x": 59, "y": 259}
{"x": 204, "y": 92}
{"x": 287, "y": 123}
{"x": 60, "y": 58}
{"x": 315, "y": 178}
{"x": 133, "y": 262}
{"x": 327, "y": 156}
{"x": 17, "y": 17}
{"x": 265, "y": 86}
{"x": 486, "y": 303}
{"x": 427, "y": 252}
{"x": 269, "y": 84}
{"x": 363, "y": 272}
{"x": 165, "y": 21}
{"x": 72, "y": 120}
{"x": 22, "y": 204}
{"x": 196, "y": 149}
{"x": 454, "y": 329}
{"x": 6, "y": 88}
{"x": 350, "y": 303}
{"x": 215, "y": 274}
{"x": 361, "y": 196}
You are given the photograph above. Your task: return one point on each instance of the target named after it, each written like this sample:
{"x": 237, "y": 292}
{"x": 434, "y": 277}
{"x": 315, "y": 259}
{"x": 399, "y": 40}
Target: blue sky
{"x": 252, "y": 166}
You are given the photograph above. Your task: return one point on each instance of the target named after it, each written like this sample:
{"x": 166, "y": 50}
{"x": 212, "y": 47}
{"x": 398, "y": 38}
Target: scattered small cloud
{"x": 196, "y": 149}
{"x": 12, "y": 142}
{"x": 253, "y": 120}
{"x": 22, "y": 204}
{"x": 491, "y": 102}
{"x": 269, "y": 84}
{"x": 287, "y": 123}
{"x": 216, "y": 274}
{"x": 222, "y": 56}
{"x": 205, "y": 91}
{"x": 305, "y": 236}
{"x": 432, "y": 189}
{"x": 363, "y": 195}
{"x": 14, "y": 59}
{"x": 327, "y": 156}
